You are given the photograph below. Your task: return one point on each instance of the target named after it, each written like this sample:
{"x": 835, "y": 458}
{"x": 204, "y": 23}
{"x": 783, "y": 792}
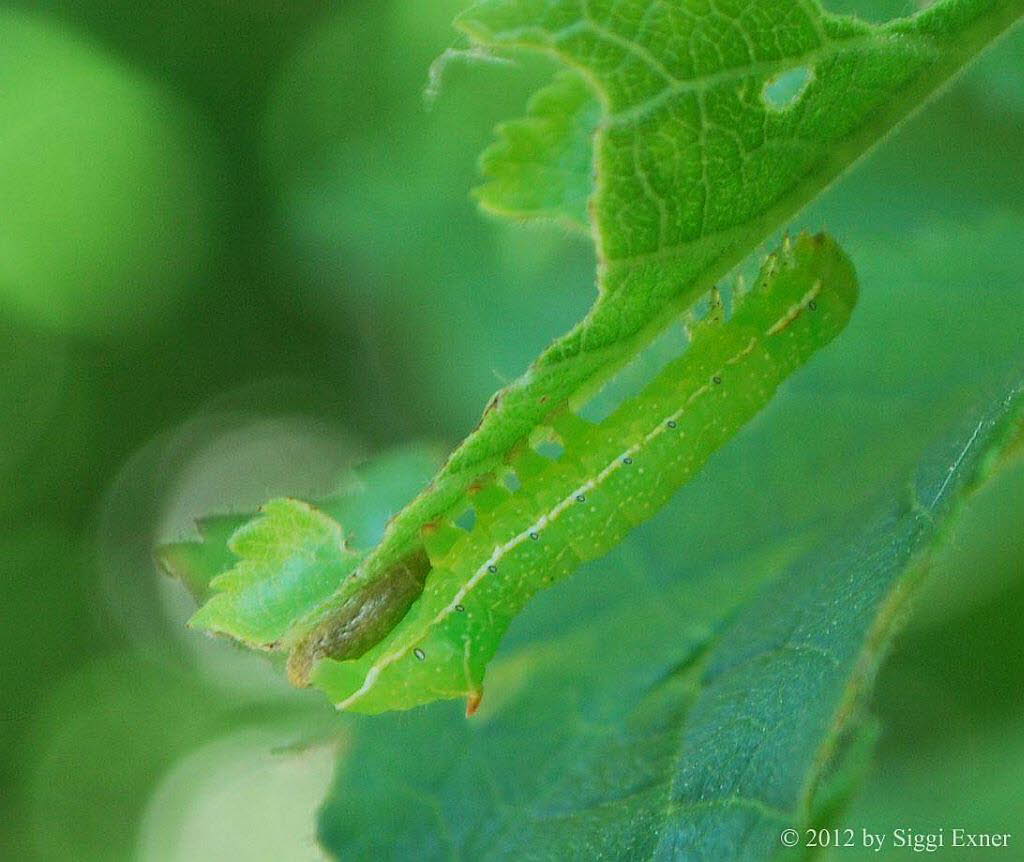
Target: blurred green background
{"x": 237, "y": 255}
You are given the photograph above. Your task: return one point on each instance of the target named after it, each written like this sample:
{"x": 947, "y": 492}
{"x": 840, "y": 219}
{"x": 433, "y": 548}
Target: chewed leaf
{"x": 290, "y": 558}
{"x": 609, "y": 477}
{"x": 367, "y": 497}
{"x": 692, "y": 157}
{"x": 541, "y": 165}
{"x": 197, "y": 563}
{"x": 691, "y": 168}
{"x": 313, "y": 548}
{"x": 702, "y": 730}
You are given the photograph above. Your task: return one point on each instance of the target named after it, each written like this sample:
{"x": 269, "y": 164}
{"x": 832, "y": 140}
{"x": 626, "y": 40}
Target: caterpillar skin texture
{"x": 612, "y": 475}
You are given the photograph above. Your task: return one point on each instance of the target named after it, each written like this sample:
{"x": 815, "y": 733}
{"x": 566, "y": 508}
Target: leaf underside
{"x": 697, "y": 735}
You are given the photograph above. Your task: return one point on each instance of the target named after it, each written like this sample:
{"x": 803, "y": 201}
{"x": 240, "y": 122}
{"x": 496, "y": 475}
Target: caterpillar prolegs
{"x": 610, "y": 476}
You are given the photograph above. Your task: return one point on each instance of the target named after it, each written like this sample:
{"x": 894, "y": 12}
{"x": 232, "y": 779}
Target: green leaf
{"x": 698, "y": 732}
{"x": 197, "y": 563}
{"x": 277, "y": 587}
{"x": 291, "y": 557}
{"x": 610, "y": 475}
{"x": 715, "y": 127}
{"x": 692, "y": 168}
{"x": 260, "y": 575}
{"x": 540, "y": 166}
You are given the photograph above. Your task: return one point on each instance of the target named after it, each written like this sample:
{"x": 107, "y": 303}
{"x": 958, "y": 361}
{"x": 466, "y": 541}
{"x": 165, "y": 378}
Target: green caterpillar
{"x": 543, "y": 517}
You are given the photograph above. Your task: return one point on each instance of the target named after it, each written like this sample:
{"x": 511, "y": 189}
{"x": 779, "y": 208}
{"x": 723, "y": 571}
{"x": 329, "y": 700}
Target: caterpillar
{"x": 540, "y": 518}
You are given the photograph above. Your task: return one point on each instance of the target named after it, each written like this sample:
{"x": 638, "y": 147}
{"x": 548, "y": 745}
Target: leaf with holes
{"x": 260, "y": 574}
{"x": 610, "y": 476}
{"x": 706, "y": 127}
{"x": 651, "y": 733}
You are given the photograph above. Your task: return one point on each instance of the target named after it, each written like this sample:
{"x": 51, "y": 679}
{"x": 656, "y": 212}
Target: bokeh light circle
{"x": 106, "y": 198}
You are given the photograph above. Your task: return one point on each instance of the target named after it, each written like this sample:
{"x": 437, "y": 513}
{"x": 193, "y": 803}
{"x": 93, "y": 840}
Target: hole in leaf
{"x": 511, "y": 481}
{"x": 467, "y": 520}
{"x": 784, "y": 90}
{"x": 552, "y": 449}
{"x": 632, "y": 379}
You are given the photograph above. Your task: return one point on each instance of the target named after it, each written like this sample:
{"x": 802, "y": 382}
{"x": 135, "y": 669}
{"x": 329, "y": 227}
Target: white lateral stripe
{"x": 373, "y": 674}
